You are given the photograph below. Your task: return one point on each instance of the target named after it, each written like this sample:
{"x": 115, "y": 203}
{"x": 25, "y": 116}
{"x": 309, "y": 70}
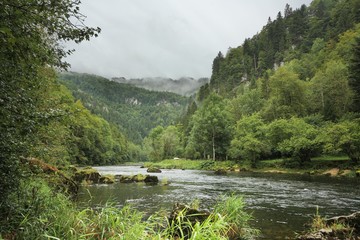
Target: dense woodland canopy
{"x": 291, "y": 91}
{"x": 134, "y": 110}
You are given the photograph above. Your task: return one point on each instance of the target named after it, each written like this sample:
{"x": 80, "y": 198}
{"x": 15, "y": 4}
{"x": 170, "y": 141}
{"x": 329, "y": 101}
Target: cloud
{"x": 168, "y": 38}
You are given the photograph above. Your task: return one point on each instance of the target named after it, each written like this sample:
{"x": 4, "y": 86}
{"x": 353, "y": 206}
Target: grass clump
{"x": 228, "y": 221}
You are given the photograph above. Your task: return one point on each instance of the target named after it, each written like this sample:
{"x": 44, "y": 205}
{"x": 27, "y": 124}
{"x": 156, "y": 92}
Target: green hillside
{"x": 134, "y": 110}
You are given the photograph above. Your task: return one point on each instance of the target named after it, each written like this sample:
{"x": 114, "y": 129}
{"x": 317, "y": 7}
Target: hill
{"x": 184, "y": 86}
{"x": 135, "y": 110}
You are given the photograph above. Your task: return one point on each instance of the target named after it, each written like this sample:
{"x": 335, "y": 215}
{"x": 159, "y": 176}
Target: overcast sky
{"x": 167, "y": 38}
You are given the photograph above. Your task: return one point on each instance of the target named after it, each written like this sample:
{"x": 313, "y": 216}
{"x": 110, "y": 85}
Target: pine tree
{"x": 214, "y": 81}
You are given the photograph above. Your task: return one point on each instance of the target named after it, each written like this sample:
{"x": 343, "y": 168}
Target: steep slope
{"x": 135, "y": 110}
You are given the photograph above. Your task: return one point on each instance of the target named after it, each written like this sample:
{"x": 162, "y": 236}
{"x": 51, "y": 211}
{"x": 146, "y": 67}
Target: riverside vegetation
{"x": 290, "y": 92}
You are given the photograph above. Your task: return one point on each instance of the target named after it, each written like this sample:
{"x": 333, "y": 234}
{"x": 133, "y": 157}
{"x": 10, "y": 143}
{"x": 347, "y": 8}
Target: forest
{"x": 290, "y": 92}
{"x": 134, "y": 110}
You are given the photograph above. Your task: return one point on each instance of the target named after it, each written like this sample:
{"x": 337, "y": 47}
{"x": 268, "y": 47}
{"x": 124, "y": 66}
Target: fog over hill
{"x": 185, "y": 86}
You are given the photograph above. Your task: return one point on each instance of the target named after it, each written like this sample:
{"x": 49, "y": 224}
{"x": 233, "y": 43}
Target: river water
{"x": 281, "y": 204}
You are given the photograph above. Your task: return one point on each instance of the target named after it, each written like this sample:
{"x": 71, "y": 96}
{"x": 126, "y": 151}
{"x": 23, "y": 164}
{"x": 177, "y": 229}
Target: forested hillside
{"x": 134, "y": 110}
{"x": 290, "y": 91}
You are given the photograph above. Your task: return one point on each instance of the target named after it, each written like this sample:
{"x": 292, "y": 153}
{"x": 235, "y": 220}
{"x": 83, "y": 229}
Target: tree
{"x": 286, "y": 95}
{"x": 288, "y": 11}
{"x": 210, "y": 134}
{"x": 154, "y": 145}
{"x": 216, "y": 69}
{"x": 294, "y": 137}
{"x": 331, "y": 92}
{"x": 342, "y": 137}
{"x": 249, "y": 142}
{"x": 30, "y": 32}
{"x": 246, "y": 104}
{"x": 171, "y": 138}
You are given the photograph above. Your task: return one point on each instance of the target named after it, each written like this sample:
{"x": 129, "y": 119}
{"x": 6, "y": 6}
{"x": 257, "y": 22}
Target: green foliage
{"x": 233, "y": 209}
{"x": 249, "y": 142}
{"x": 163, "y": 143}
{"x": 294, "y": 137}
{"x": 30, "y": 32}
{"x": 40, "y": 213}
{"x": 210, "y": 133}
{"x": 94, "y": 141}
{"x": 331, "y": 92}
{"x": 342, "y": 137}
{"x": 153, "y": 144}
{"x": 246, "y": 104}
{"x": 354, "y": 81}
{"x": 300, "y": 70}
{"x": 286, "y": 95}
{"x": 133, "y": 110}
{"x": 228, "y": 221}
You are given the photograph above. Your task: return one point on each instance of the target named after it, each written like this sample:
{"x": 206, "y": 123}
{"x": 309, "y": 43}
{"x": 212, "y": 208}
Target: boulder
{"x": 126, "y": 179}
{"x": 88, "y": 175}
{"x": 117, "y": 178}
{"x": 151, "y": 179}
{"x": 332, "y": 172}
{"x": 220, "y": 171}
{"x": 138, "y": 178}
{"x": 353, "y": 220}
{"x": 107, "y": 179}
{"x": 153, "y": 170}
{"x": 351, "y": 227}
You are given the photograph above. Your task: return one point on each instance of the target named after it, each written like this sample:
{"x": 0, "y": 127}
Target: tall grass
{"x": 45, "y": 214}
{"x": 228, "y": 221}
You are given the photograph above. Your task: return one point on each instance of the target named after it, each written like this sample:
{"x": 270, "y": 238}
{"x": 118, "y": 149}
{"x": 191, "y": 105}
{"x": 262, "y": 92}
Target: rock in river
{"x": 153, "y": 170}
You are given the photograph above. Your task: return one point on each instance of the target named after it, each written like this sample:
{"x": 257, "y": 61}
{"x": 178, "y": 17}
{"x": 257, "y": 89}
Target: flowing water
{"x": 281, "y": 204}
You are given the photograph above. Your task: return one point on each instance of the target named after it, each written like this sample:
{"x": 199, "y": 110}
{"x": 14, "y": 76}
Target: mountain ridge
{"x": 186, "y": 86}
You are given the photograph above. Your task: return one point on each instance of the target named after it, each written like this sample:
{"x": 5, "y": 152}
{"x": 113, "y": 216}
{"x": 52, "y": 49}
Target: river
{"x": 281, "y": 204}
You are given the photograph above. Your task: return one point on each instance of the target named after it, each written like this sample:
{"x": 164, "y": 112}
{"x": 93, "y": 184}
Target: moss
{"x": 88, "y": 175}
{"x": 153, "y": 170}
{"x": 126, "y": 179}
{"x": 138, "y": 178}
{"x": 107, "y": 179}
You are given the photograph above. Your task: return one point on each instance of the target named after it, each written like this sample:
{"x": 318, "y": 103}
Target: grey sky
{"x": 167, "y": 38}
